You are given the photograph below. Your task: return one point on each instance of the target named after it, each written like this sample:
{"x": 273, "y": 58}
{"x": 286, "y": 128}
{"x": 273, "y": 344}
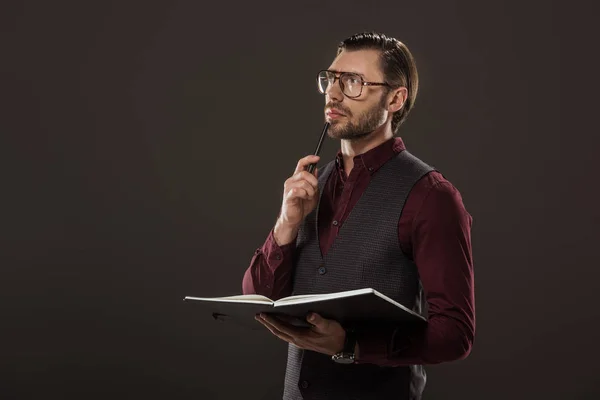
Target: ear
{"x": 398, "y": 99}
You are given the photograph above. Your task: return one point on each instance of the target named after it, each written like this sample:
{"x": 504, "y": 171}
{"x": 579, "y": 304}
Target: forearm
{"x": 270, "y": 270}
{"x": 443, "y": 339}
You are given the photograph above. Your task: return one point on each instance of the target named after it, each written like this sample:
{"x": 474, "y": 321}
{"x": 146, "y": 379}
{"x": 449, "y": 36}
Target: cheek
{"x": 360, "y": 113}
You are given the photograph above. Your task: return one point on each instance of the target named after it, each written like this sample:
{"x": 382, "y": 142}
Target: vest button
{"x": 304, "y": 384}
{"x": 322, "y": 270}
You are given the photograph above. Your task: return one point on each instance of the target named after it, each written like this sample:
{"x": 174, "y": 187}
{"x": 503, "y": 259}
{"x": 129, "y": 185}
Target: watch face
{"x": 344, "y": 358}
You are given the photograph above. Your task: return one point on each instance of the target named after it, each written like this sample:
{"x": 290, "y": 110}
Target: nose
{"x": 334, "y": 91}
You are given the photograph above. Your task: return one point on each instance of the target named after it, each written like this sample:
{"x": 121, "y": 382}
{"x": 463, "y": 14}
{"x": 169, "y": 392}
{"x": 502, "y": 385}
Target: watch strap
{"x": 347, "y": 356}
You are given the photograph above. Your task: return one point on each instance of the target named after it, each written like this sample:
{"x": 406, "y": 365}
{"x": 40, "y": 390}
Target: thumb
{"x": 321, "y": 324}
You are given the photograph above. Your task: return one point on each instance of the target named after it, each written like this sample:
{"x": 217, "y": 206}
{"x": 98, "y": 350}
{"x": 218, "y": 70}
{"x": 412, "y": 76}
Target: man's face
{"x": 356, "y": 118}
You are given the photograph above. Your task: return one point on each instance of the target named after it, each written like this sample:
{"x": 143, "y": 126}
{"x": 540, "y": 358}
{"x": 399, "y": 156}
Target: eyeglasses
{"x": 351, "y": 84}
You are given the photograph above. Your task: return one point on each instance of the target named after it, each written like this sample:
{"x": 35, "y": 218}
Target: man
{"x": 375, "y": 216}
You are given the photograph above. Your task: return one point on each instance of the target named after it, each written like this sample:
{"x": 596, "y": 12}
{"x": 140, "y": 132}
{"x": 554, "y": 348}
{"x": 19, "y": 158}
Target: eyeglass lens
{"x": 350, "y": 83}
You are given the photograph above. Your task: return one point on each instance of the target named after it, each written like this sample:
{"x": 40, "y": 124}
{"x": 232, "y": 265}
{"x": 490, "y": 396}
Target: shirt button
{"x": 370, "y": 168}
{"x": 304, "y": 384}
{"x": 335, "y": 223}
{"x": 322, "y": 270}
{"x": 278, "y": 257}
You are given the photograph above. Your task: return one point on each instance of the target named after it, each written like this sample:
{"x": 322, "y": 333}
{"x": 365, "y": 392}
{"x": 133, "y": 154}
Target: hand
{"x": 300, "y": 198}
{"x": 325, "y": 336}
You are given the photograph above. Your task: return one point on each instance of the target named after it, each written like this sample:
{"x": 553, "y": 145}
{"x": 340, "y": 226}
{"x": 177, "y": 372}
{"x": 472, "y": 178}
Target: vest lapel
{"x": 323, "y": 178}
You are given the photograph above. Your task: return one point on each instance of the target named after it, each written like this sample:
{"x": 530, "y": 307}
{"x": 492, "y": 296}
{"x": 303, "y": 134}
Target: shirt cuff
{"x": 373, "y": 346}
{"x": 275, "y": 254}
{"x": 386, "y": 345}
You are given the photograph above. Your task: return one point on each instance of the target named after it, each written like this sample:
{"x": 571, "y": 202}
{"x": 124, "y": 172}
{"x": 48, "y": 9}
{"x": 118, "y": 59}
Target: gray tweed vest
{"x": 366, "y": 253}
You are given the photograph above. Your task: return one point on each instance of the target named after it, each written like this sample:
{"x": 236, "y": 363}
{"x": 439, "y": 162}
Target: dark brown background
{"x": 144, "y": 149}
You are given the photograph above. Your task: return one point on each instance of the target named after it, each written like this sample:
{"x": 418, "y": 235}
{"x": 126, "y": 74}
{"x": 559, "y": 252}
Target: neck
{"x": 353, "y": 148}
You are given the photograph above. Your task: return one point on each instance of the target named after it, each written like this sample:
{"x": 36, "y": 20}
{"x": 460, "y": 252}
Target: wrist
{"x": 348, "y": 354}
{"x": 284, "y": 233}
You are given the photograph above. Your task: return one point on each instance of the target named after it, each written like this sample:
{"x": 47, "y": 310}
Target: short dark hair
{"x": 397, "y": 63}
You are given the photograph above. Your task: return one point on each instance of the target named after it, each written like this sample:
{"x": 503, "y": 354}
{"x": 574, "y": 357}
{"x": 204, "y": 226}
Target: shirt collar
{"x": 373, "y": 159}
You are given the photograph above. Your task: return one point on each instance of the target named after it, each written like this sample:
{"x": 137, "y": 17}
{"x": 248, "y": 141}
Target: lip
{"x": 333, "y": 113}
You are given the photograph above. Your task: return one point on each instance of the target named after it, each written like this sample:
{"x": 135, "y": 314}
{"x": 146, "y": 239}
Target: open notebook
{"x": 354, "y": 306}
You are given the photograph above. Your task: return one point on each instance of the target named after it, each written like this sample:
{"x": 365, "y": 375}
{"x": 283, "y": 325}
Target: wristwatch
{"x": 347, "y": 356}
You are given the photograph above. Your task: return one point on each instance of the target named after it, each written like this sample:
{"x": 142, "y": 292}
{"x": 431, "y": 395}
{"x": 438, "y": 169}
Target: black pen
{"x": 311, "y": 167}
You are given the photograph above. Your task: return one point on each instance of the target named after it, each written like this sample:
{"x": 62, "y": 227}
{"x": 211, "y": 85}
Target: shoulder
{"x": 435, "y": 197}
{"x": 434, "y": 183}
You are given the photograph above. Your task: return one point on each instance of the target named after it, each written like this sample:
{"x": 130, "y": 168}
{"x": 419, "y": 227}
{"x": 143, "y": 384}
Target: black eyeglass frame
{"x": 337, "y": 75}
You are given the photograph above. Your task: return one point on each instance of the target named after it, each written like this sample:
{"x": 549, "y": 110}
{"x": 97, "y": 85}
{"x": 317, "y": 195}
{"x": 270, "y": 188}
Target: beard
{"x": 362, "y": 127}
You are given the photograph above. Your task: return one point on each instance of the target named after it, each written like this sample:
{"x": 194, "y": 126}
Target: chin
{"x": 334, "y": 130}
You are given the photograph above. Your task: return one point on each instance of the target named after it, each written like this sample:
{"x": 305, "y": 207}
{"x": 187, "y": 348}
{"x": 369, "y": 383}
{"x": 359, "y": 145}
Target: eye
{"x": 352, "y": 80}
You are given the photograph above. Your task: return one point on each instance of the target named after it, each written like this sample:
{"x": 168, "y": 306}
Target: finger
{"x": 273, "y": 330}
{"x": 304, "y": 162}
{"x": 306, "y": 176}
{"x": 320, "y": 324}
{"x": 300, "y": 337}
{"x": 281, "y": 335}
{"x": 304, "y": 338}
{"x": 282, "y": 327}
{"x": 277, "y": 333}
{"x": 296, "y": 193}
{"x": 310, "y": 190}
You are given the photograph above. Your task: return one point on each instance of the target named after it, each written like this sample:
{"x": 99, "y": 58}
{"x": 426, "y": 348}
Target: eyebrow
{"x": 353, "y": 72}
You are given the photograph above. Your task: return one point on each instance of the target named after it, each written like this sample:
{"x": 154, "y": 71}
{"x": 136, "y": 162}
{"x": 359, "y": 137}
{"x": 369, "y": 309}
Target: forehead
{"x": 365, "y": 62}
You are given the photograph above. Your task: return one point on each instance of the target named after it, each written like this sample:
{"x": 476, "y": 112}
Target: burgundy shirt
{"x": 434, "y": 230}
